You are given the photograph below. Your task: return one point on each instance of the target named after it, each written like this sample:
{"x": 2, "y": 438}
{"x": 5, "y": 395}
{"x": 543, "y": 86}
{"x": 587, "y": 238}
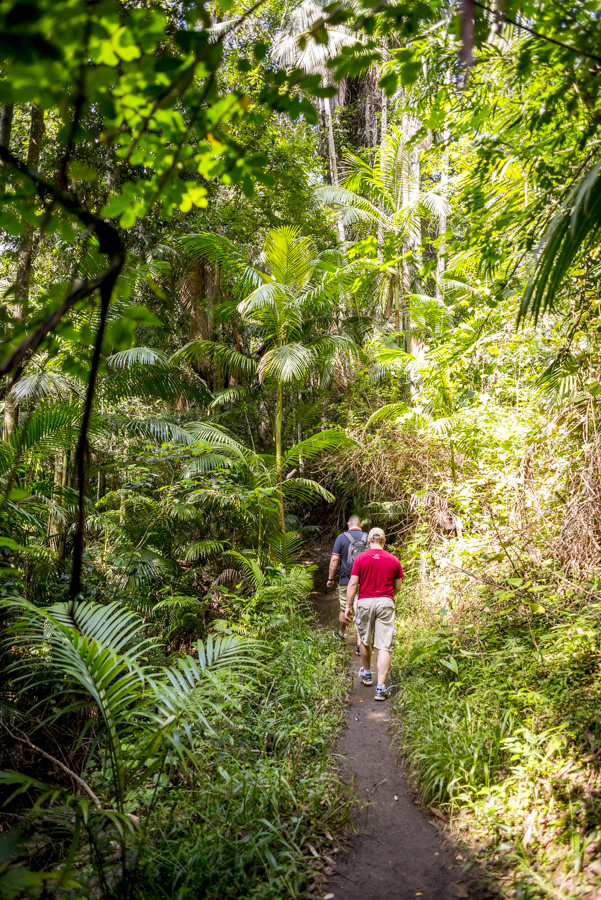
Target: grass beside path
{"x": 497, "y": 716}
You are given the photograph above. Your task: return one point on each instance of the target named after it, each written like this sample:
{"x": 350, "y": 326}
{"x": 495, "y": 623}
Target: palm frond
{"x": 203, "y": 549}
{"x": 316, "y": 445}
{"x": 306, "y": 490}
{"x": 137, "y": 356}
{"x": 290, "y": 362}
{"x": 45, "y": 386}
{"x": 228, "y": 359}
{"x": 251, "y": 568}
{"x": 386, "y": 412}
{"x": 218, "y": 249}
{"x": 336, "y": 196}
{"x": 152, "y": 382}
{"x": 576, "y": 222}
{"x": 157, "y": 429}
{"x": 286, "y": 548}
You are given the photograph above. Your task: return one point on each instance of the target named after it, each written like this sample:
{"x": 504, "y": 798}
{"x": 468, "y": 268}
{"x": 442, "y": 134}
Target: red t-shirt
{"x": 377, "y": 571}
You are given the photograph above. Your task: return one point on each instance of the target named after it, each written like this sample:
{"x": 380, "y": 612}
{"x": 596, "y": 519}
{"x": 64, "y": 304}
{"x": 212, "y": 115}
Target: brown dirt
{"x": 397, "y": 852}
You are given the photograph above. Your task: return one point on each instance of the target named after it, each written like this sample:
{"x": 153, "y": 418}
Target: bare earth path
{"x": 397, "y": 852}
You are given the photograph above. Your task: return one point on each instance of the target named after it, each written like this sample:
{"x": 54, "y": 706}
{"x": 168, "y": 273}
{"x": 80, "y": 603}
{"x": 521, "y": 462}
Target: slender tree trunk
{"x": 441, "y": 261}
{"x": 332, "y": 155}
{"x": 384, "y": 120}
{"x": 24, "y": 258}
{"x": 56, "y": 527}
{"x": 384, "y": 95}
{"x": 331, "y": 143}
{"x": 278, "y": 453}
{"x": 101, "y": 482}
{"x": 6, "y": 124}
{"x": 397, "y": 304}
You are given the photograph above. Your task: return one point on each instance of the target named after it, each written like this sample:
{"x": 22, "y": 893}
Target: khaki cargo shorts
{"x": 374, "y": 619}
{"x": 342, "y": 598}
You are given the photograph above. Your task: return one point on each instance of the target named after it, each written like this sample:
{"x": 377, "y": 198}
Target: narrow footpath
{"x": 397, "y": 853}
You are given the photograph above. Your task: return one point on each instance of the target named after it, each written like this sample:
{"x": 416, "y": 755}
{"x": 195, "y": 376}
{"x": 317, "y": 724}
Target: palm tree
{"x": 296, "y": 46}
{"x": 386, "y": 199}
{"x": 289, "y": 300}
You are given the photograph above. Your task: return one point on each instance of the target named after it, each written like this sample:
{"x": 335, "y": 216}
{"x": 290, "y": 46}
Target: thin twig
{"x": 544, "y": 37}
{"x": 76, "y": 778}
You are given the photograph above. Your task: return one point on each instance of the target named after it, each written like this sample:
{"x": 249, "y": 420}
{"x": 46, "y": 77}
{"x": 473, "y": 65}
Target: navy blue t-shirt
{"x": 341, "y": 547}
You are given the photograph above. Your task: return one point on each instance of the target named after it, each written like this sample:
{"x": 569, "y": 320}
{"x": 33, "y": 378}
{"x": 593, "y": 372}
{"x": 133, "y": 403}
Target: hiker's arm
{"x": 334, "y": 560}
{"x": 397, "y": 585}
{"x": 350, "y": 595}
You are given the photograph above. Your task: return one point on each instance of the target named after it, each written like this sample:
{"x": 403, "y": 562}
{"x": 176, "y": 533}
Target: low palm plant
{"x": 140, "y": 719}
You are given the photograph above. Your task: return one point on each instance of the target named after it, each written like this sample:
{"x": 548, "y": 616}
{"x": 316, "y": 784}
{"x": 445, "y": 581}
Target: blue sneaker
{"x": 337, "y": 635}
{"x": 381, "y": 692}
{"x": 365, "y": 677}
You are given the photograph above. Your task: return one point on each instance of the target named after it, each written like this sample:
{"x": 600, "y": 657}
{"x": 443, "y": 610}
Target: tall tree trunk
{"x": 278, "y": 453}
{"x": 56, "y": 527}
{"x": 6, "y": 124}
{"x": 333, "y": 162}
{"x": 384, "y": 119}
{"x": 441, "y": 261}
{"x": 24, "y": 257}
{"x": 384, "y": 95}
{"x": 331, "y": 143}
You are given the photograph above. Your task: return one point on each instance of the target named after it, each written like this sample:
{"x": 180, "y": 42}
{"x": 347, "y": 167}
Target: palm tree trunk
{"x": 397, "y": 306}
{"x": 384, "y": 119}
{"x": 278, "y": 453}
{"x": 332, "y": 155}
{"x": 331, "y": 143}
{"x": 442, "y": 218}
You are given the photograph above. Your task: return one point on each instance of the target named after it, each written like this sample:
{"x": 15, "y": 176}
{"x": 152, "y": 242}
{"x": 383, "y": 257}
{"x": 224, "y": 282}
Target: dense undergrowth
{"x": 226, "y": 782}
{"x": 499, "y": 691}
{"x": 266, "y": 789}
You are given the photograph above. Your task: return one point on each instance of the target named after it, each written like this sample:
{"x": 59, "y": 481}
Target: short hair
{"x": 354, "y": 520}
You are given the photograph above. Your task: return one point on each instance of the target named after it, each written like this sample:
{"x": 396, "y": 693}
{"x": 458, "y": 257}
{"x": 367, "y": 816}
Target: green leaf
{"x": 451, "y": 663}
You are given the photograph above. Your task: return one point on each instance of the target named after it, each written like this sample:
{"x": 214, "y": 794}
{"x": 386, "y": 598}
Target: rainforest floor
{"x": 396, "y": 852}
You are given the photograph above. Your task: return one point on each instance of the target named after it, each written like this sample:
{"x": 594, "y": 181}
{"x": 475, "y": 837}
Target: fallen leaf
{"x": 438, "y": 813}
{"x": 460, "y": 891}
{"x": 328, "y": 897}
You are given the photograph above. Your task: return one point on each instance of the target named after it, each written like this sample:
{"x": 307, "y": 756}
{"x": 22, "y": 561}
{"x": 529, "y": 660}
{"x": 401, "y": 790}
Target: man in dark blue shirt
{"x": 342, "y": 545}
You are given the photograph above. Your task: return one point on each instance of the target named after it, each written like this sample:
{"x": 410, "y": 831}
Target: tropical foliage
{"x": 263, "y": 267}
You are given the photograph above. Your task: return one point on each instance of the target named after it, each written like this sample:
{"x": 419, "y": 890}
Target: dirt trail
{"x": 397, "y": 853}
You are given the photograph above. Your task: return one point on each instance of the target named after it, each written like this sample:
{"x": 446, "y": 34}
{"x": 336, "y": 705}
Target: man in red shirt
{"x": 377, "y": 574}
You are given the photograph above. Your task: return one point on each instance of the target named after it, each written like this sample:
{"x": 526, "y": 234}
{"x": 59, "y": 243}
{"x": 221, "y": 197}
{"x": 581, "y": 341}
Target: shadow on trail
{"x": 397, "y": 852}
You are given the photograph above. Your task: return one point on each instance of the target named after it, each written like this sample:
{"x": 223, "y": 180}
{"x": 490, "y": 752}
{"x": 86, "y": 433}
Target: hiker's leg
{"x": 365, "y": 656}
{"x": 383, "y": 665}
{"x": 342, "y": 619}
